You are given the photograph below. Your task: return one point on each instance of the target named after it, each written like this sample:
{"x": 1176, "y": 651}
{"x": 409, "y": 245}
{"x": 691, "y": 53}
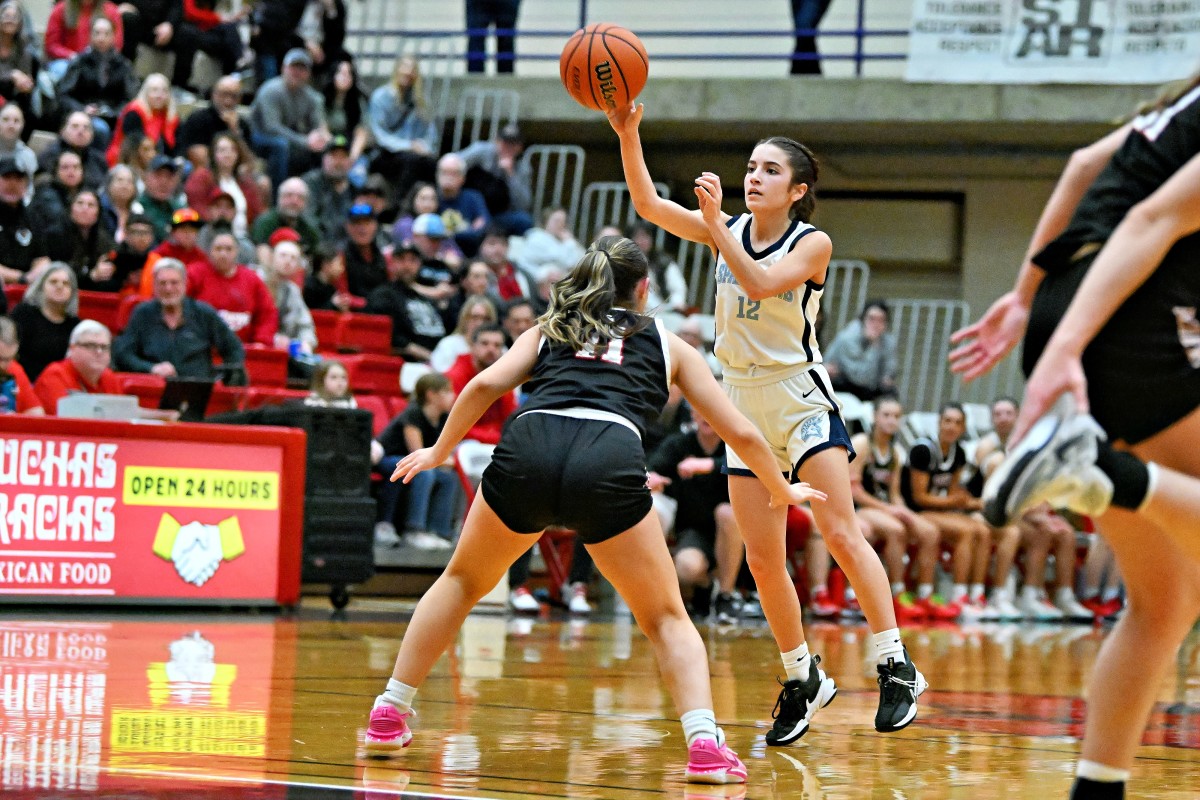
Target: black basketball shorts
{"x": 1143, "y": 368}
{"x": 585, "y": 475}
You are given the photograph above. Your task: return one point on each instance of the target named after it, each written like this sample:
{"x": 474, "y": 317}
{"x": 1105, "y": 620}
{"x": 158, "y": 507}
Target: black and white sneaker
{"x": 726, "y": 609}
{"x": 900, "y": 684}
{"x": 1055, "y": 463}
{"x": 798, "y": 702}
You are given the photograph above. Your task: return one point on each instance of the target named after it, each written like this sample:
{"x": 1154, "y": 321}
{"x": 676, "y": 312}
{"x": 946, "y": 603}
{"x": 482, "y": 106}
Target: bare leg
{"x": 1037, "y": 540}
{"x": 924, "y": 535}
{"x": 484, "y": 553}
{"x": 963, "y": 535}
{"x": 762, "y": 528}
{"x": 891, "y": 530}
{"x": 1007, "y": 540}
{"x": 691, "y": 568}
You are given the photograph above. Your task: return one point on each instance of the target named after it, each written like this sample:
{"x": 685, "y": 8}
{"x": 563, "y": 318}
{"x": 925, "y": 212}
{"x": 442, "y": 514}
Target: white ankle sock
{"x": 925, "y": 591}
{"x": 960, "y": 591}
{"x": 399, "y": 695}
{"x": 897, "y": 588}
{"x": 700, "y": 723}
{"x": 889, "y": 645}
{"x": 976, "y": 591}
{"x": 796, "y": 663}
{"x": 1101, "y": 773}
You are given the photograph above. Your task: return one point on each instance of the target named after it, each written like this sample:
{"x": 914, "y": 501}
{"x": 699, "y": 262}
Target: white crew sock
{"x": 889, "y": 646}
{"x": 399, "y": 695}
{"x": 1101, "y": 773}
{"x": 796, "y": 663}
{"x": 700, "y": 723}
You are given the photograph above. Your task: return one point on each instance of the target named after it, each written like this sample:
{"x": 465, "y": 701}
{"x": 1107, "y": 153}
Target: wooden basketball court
{"x": 148, "y": 706}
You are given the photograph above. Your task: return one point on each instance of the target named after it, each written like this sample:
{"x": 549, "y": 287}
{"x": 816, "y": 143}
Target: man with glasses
{"x": 196, "y": 132}
{"x": 16, "y": 393}
{"x": 85, "y": 369}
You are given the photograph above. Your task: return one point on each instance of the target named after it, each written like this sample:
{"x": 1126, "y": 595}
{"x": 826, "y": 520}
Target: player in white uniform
{"x": 771, "y": 266}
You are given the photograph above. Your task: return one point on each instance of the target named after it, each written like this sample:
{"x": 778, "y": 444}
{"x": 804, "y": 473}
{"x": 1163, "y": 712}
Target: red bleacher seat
{"x": 326, "y": 324}
{"x": 266, "y": 366}
{"x": 104, "y": 307}
{"x": 365, "y": 333}
{"x": 396, "y": 405}
{"x": 225, "y": 398}
{"x": 257, "y": 396}
{"x": 148, "y": 388}
{"x": 378, "y": 407}
{"x": 14, "y": 292}
{"x": 125, "y": 310}
{"x": 373, "y": 374}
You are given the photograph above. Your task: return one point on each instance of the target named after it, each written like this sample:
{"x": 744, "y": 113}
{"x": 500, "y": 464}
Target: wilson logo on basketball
{"x": 604, "y": 80}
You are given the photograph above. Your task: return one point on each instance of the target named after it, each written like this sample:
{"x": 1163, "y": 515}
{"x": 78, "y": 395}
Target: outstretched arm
{"x": 701, "y": 390}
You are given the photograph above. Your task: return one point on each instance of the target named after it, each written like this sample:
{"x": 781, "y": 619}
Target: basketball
{"x": 603, "y": 66}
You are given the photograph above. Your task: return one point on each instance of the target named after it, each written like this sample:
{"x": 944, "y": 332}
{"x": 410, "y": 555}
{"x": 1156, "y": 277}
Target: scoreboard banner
{"x": 1053, "y": 41}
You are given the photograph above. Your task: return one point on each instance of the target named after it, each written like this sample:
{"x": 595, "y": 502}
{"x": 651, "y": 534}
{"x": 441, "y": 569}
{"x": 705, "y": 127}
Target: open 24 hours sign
{"x": 94, "y": 511}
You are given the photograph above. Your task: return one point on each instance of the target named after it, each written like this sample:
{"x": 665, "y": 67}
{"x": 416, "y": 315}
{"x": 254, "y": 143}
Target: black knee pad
{"x": 1131, "y": 479}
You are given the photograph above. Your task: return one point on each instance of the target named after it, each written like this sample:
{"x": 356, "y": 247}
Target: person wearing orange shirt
{"x": 85, "y": 369}
{"x": 16, "y": 393}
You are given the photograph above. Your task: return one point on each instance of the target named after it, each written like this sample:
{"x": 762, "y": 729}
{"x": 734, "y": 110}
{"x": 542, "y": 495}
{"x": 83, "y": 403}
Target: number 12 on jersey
{"x": 611, "y": 353}
{"x": 748, "y": 309}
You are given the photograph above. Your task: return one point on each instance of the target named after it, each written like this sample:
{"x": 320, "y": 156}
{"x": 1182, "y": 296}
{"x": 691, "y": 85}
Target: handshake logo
{"x": 196, "y": 549}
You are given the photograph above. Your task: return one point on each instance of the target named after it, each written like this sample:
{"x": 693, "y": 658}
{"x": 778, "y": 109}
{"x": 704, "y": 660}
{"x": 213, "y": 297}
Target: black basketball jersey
{"x": 926, "y": 456}
{"x": 877, "y": 473}
{"x": 1161, "y": 142}
{"x": 629, "y": 377}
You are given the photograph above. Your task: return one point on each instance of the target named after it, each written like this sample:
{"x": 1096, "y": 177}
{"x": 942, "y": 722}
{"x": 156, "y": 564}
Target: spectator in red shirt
{"x": 69, "y": 28}
{"x": 240, "y": 297}
{"x": 487, "y": 344}
{"x": 509, "y": 281}
{"x": 85, "y": 369}
{"x": 16, "y": 393}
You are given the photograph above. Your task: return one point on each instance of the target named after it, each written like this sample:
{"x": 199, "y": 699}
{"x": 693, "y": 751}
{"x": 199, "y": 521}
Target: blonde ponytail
{"x": 581, "y": 304}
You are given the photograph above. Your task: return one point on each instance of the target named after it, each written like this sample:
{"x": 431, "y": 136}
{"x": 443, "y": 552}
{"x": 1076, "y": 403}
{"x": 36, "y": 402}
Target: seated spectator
{"x": 325, "y": 286}
{"x": 518, "y": 318}
{"x": 416, "y": 325}
{"x": 376, "y": 193}
{"x": 19, "y": 61}
{"x": 78, "y": 136}
{"x": 429, "y": 233}
{"x": 287, "y": 120}
{"x": 199, "y": 128}
{"x": 476, "y": 310}
{"x": 344, "y": 100}
{"x": 289, "y": 212}
{"x": 54, "y": 193}
{"x": 462, "y": 209}
{"x": 231, "y": 171}
{"x": 183, "y": 242}
{"x": 668, "y": 288}
{"x": 323, "y": 32}
{"x": 428, "y": 523}
{"x": 83, "y": 243}
{"x": 438, "y": 280}
{"x": 16, "y": 392}
{"x": 68, "y": 29}
{"x": 330, "y": 386}
{"x": 236, "y": 292}
{"x": 138, "y": 153}
{"x": 213, "y": 33}
{"x": 12, "y": 124}
{"x": 295, "y": 320}
{"x": 508, "y": 281}
{"x": 154, "y": 23}
{"x": 221, "y": 213}
{"x": 161, "y": 198}
{"x": 329, "y": 190}
{"x": 118, "y": 201}
{"x": 478, "y": 280}
{"x": 85, "y": 369}
{"x": 403, "y": 128}
{"x": 496, "y": 171}
{"x": 862, "y": 358}
{"x": 99, "y": 82}
{"x": 552, "y": 245}
{"x": 487, "y": 344}
{"x": 366, "y": 264}
{"x": 420, "y": 199}
{"x": 151, "y": 114}
{"x": 273, "y": 33}
{"x": 45, "y": 317}
{"x": 132, "y": 253}
{"x": 22, "y": 243}
{"x": 173, "y": 334}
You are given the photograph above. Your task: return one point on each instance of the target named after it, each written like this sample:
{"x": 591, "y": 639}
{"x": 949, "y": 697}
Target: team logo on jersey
{"x": 24, "y": 236}
{"x": 812, "y": 429}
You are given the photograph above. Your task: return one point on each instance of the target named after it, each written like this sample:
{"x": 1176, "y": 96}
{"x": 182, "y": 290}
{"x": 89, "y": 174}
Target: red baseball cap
{"x": 283, "y": 235}
{"x": 217, "y": 193}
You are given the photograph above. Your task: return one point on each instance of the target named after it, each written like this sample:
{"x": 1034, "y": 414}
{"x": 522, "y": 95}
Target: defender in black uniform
{"x": 594, "y": 369}
{"x": 1110, "y": 291}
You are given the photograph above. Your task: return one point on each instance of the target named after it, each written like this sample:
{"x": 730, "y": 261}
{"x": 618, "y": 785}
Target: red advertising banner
{"x": 134, "y": 515}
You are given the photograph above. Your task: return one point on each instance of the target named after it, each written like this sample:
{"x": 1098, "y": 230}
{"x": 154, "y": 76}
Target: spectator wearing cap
{"x": 416, "y": 324}
{"x": 437, "y": 280}
{"x": 235, "y": 291}
{"x": 329, "y": 192}
{"x": 181, "y": 245}
{"x": 151, "y": 115}
{"x": 54, "y": 192}
{"x": 69, "y": 27}
{"x": 230, "y": 171}
{"x": 462, "y": 209}
{"x": 403, "y": 128}
{"x": 220, "y": 213}
{"x": 366, "y": 266}
{"x": 161, "y": 197}
{"x": 99, "y": 81}
{"x": 87, "y": 367}
{"x": 78, "y": 136}
{"x": 172, "y": 334}
{"x": 198, "y": 128}
{"x": 131, "y": 253}
{"x": 290, "y": 211}
{"x": 22, "y": 244}
{"x": 295, "y": 320}
{"x": 495, "y": 169}
{"x": 16, "y": 392}
{"x": 288, "y": 116}
{"x": 376, "y": 193}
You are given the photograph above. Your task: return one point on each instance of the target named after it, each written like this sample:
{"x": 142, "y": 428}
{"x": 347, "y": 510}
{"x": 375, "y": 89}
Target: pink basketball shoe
{"x": 388, "y": 731}
{"x": 710, "y": 763}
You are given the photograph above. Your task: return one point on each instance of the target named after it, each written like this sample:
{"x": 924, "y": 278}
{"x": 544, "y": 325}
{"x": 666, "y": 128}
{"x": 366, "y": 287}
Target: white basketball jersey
{"x": 779, "y": 331}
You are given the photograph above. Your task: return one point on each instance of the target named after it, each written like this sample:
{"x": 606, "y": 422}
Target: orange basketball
{"x": 603, "y": 66}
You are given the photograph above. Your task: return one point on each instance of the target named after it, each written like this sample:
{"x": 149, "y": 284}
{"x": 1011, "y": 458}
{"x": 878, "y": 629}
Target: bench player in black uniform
{"x": 1109, "y": 293}
{"x": 593, "y": 371}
